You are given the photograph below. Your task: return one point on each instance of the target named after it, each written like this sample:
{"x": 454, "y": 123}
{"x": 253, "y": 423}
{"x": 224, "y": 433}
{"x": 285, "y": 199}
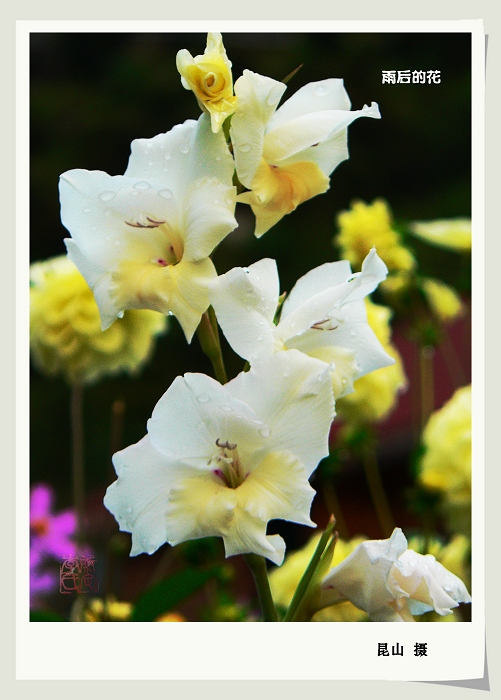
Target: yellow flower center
{"x": 226, "y": 464}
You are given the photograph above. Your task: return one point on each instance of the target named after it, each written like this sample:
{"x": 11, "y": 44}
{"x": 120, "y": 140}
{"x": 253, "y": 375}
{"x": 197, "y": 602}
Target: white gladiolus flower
{"x": 224, "y": 460}
{"x": 284, "y": 156}
{"x": 324, "y": 316}
{"x": 393, "y": 583}
{"x": 142, "y": 239}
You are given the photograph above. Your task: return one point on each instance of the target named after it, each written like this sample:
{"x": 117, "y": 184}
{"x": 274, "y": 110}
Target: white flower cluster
{"x": 223, "y": 460}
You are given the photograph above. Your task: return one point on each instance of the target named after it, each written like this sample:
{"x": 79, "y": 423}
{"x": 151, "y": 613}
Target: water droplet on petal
{"x": 227, "y": 408}
{"x": 166, "y": 194}
{"x": 203, "y": 398}
{"x": 321, "y": 90}
{"x": 218, "y": 158}
{"x": 142, "y": 185}
{"x": 265, "y": 432}
{"x": 245, "y": 147}
{"x": 167, "y": 156}
{"x": 353, "y": 334}
{"x": 86, "y": 210}
{"x": 260, "y": 336}
{"x": 129, "y": 509}
{"x": 185, "y": 148}
{"x": 107, "y": 195}
{"x": 170, "y": 313}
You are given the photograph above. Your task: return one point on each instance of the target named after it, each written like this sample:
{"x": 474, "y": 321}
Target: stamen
{"x": 153, "y": 223}
{"x": 325, "y": 325}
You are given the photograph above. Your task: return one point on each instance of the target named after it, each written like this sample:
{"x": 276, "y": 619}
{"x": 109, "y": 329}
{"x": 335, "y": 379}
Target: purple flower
{"x": 51, "y": 534}
{"x": 41, "y": 582}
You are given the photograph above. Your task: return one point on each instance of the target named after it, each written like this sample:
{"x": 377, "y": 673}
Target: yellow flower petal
{"x": 278, "y": 190}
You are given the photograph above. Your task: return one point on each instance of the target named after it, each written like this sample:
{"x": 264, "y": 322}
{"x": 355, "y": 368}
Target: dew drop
{"x": 245, "y": 147}
{"x": 166, "y": 194}
{"x": 142, "y": 185}
{"x": 272, "y": 100}
{"x": 170, "y": 313}
{"x": 129, "y": 509}
{"x": 352, "y": 333}
{"x": 218, "y": 158}
{"x": 321, "y": 90}
{"x": 228, "y": 409}
{"x": 86, "y": 210}
{"x": 167, "y": 156}
{"x": 185, "y": 148}
{"x": 260, "y": 337}
{"x": 203, "y": 398}
{"x": 265, "y": 432}
{"x": 257, "y": 421}
{"x": 246, "y": 270}
{"x": 107, "y": 195}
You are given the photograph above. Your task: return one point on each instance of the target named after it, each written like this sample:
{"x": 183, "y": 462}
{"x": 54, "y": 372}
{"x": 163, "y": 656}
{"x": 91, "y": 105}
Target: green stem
{"x": 209, "y": 340}
{"x": 257, "y": 565}
{"x": 306, "y": 578}
{"x": 427, "y": 392}
{"x": 377, "y": 492}
{"x": 77, "y": 437}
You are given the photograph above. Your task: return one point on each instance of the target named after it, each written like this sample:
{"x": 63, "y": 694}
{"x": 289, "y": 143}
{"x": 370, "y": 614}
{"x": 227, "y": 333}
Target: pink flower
{"x": 50, "y": 534}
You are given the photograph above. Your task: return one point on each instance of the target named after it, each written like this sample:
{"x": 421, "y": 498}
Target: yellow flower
{"x": 209, "y": 77}
{"x": 446, "y": 233}
{"x": 444, "y": 301}
{"x": 446, "y": 464}
{"x": 366, "y": 226}
{"x": 375, "y": 394}
{"x": 107, "y": 610}
{"x": 285, "y": 156}
{"x": 171, "y": 617}
{"x": 65, "y": 327}
{"x": 284, "y": 580}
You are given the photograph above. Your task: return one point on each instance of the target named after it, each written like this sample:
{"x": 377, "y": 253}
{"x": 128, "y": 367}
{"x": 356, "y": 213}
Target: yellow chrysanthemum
{"x": 107, "y": 610}
{"x": 444, "y": 301}
{"x": 367, "y": 226}
{"x": 209, "y": 77}
{"x": 446, "y": 464}
{"x": 65, "y": 327}
{"x": 454, "y": 234}
{"x": 171, "y": 617}
{"x": 375, "y": 394}
{"x": 284, "y": 580}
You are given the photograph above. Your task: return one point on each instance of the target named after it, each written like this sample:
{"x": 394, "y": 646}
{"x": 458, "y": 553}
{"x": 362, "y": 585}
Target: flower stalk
{"x": 257, "y": 565}
{"x": 77, "y": 434}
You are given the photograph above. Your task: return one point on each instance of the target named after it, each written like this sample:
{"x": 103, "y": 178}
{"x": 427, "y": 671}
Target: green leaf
{"x": 169, "y": 593}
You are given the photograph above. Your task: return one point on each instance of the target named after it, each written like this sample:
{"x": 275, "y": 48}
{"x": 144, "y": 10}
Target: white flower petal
{"x": 315, "y": 281}
{"x": 245, "y": 301}
{"x": 292, "y": 394}
{"x": 184, "y": 154}
{"x": 138, "y": 499}
{"x": 196, "y": 411}
{"x": 361, "y": 577}
{"x": 208, "y": 216}
{"x": 258, "y": 97}
{"x": 320, "y": 306}
{"x": 314, "y": 97}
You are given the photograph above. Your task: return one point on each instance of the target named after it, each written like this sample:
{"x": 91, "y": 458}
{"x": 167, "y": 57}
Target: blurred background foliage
{"x": 93, "y": 93}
